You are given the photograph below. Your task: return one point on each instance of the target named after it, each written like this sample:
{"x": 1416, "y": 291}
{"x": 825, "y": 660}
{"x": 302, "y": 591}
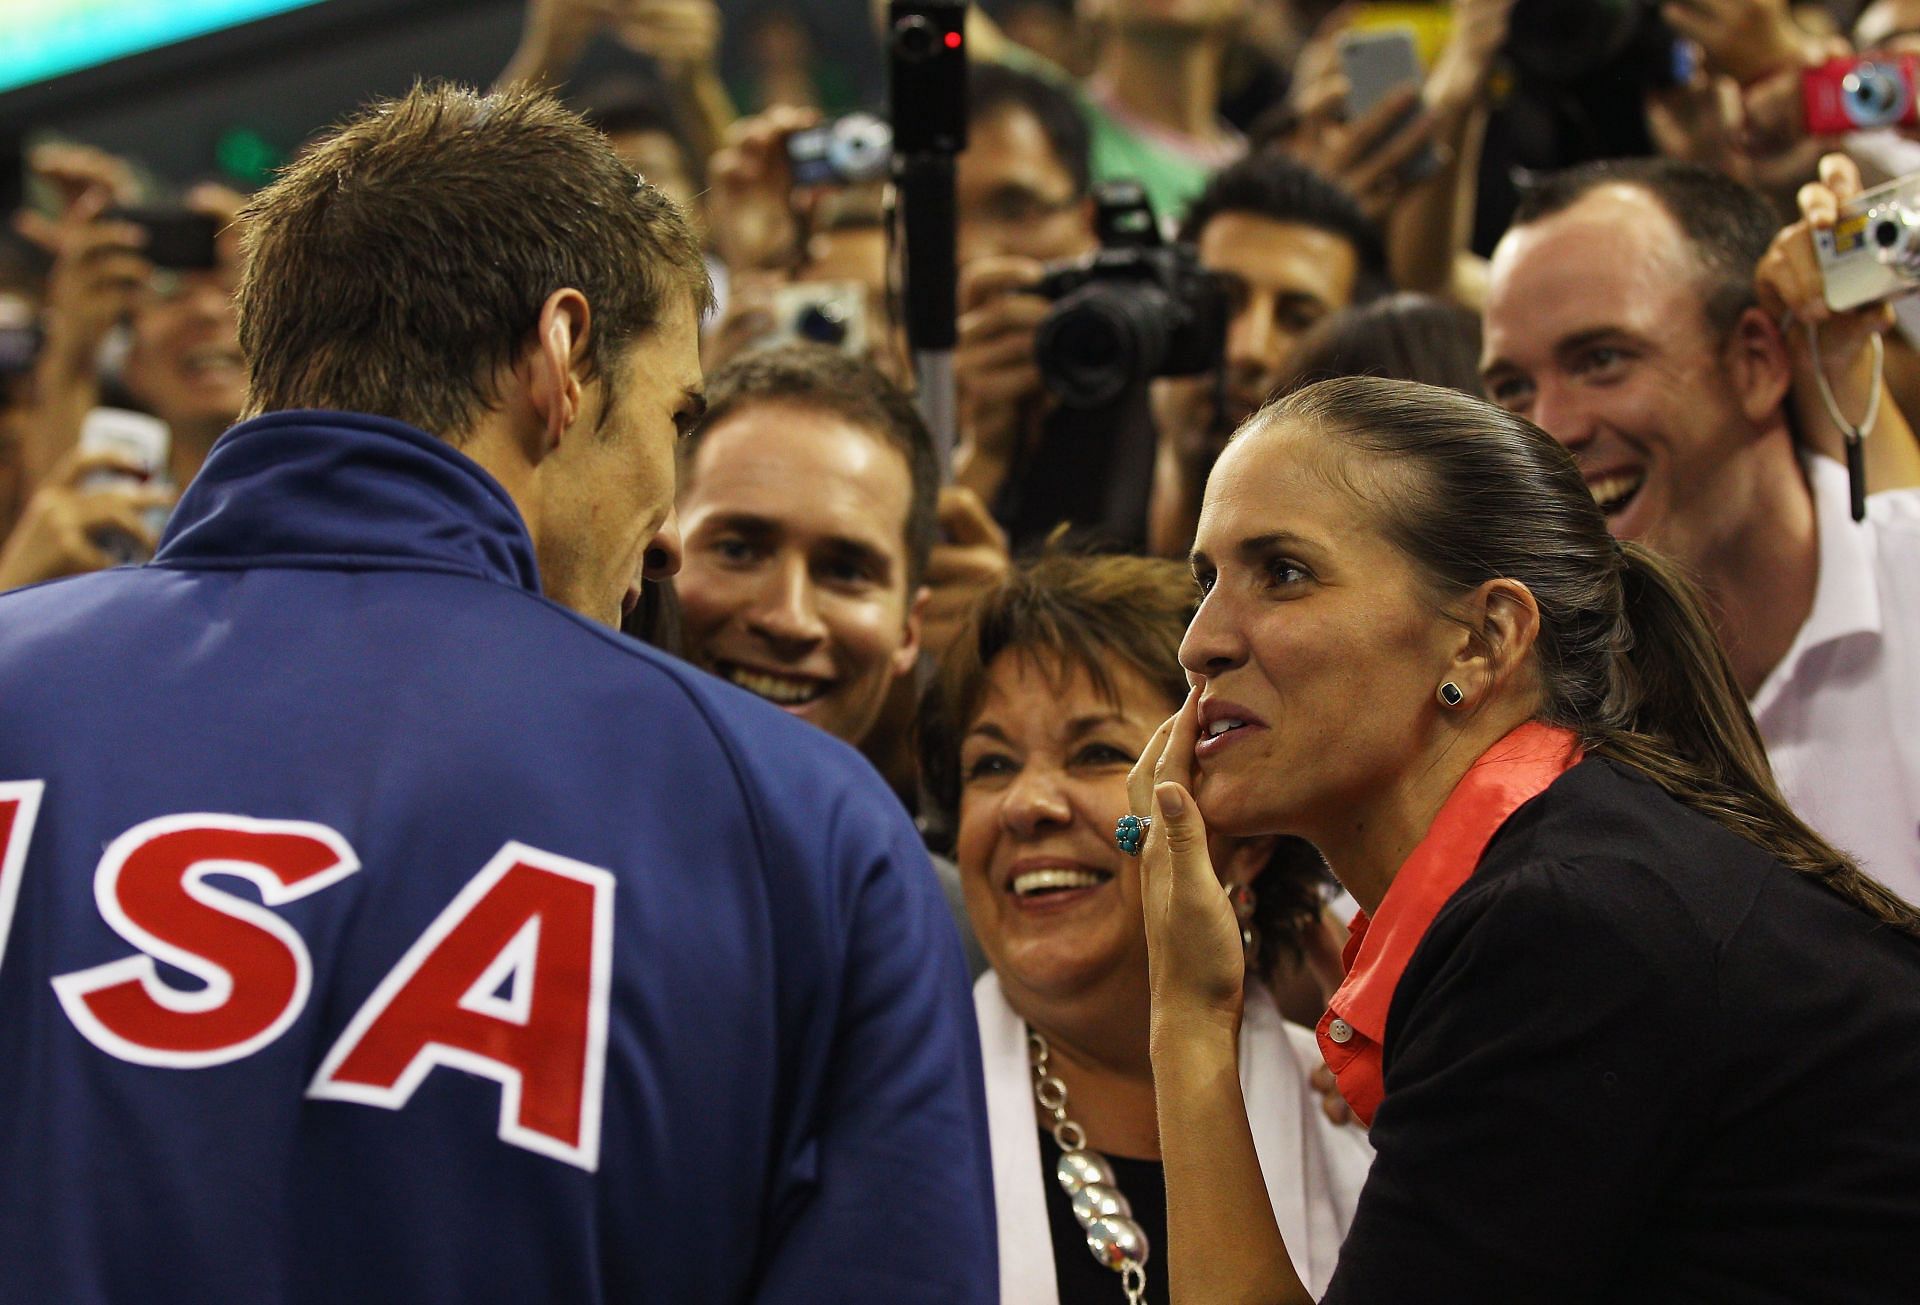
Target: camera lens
{"x": 1873, "y": 95}
{"x": 914, "y": 39}
{"x": 1102, "y": 338}
{"x": 1886, "y": 233}
{"x": 823, "y": 323}
{"x": 861, "y": 147}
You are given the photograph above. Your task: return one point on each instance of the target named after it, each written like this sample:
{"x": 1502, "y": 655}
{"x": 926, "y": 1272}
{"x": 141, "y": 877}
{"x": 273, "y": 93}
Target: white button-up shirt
{"x": 1841, "y": 712}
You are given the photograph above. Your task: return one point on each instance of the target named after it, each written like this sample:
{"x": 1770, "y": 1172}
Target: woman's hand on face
{"x": 1194, "y": 957}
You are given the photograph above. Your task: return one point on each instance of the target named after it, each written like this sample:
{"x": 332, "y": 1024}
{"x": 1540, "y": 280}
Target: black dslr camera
{"x": 1557, "y": 42}
{"x": 1138, "y": 308}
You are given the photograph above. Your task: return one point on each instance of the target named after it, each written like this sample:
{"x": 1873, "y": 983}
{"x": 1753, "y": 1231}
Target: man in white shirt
{"x": 1621, "y": 318}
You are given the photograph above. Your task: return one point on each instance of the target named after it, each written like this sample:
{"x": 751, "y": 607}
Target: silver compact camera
{"x": 1873, "y": 250}
{"x": 844, "y": 152}
{"x": 832, "y": 313}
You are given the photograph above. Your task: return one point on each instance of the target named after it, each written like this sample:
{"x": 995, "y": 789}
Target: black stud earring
{"x": 1450, "y": 695}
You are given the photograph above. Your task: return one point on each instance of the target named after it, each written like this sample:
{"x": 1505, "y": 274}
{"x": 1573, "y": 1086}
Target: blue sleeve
{"x": 902, "y": 1206}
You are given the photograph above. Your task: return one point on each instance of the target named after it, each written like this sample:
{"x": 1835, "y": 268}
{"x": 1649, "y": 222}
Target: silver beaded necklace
{"x": 1112, "y": 1235}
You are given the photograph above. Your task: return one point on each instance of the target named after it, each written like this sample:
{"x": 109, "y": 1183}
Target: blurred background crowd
{"x": 1598, "y": 213}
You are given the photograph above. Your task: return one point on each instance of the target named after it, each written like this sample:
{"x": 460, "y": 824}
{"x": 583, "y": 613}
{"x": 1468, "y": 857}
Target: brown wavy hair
{"x": 1099, "y": 614}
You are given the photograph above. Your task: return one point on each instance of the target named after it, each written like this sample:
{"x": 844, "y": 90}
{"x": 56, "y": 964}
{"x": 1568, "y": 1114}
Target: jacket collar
{"x": 350, "y": 491}
{"x": 1511, "y": 773}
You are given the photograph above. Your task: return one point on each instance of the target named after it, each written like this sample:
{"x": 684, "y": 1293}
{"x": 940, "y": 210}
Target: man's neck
{"x": 1761, "y": 581}
{"x": 1169, "y": 77}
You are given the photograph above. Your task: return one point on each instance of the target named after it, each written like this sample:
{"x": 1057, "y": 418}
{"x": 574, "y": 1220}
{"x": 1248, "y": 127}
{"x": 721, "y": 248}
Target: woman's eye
{"x": 1205, "y": 580}
{"x": 1105, "y": 754}
{"x": 993, "y": 765}
{"x": 1283, "y": 572}
{"x": 734, "y": 550}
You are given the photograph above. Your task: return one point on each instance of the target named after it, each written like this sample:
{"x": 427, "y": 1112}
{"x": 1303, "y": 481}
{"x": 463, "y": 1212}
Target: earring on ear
{"x": 1450, "y": 695}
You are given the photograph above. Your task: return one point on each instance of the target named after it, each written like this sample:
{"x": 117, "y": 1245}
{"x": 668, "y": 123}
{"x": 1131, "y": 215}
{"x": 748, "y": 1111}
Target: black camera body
{"x": 1137, "y": 309}
{"x": 927, "y": 74}
{"x": 1555, "y": 42}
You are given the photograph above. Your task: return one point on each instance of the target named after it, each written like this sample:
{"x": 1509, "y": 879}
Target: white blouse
{"x": 1314, "y": 1168}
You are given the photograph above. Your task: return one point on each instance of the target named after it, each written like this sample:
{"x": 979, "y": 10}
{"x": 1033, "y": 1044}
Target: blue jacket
{"x": 374, "y": 929}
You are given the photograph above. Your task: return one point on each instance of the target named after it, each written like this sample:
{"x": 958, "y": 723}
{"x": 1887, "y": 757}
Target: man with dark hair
{"x": 808, "y": 496}
{"x": 1021, "y": 202}
{"x": 1021, "y": 184}
{"x": 445, "y": 945}
{"x": 1291, "y": 248}
{"x": 1621, "y": 317}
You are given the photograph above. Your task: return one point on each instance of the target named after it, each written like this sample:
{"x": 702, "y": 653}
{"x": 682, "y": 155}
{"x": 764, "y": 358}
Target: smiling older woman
{"x": 1624, "y": 1027}
{"x": 1041, "y": 709}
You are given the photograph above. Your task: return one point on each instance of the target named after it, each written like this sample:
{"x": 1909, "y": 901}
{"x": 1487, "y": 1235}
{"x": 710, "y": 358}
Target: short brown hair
{"x": 1727, "y": 226}
{"x": 824, "y": 379}
{"x": 402, "y": 261}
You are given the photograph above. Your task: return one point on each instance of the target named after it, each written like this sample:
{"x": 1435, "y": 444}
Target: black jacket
{"x": 1635, "y": 1059}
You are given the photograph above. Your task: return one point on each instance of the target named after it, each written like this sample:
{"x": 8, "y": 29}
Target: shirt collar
{"x": 350, "y": 490}
{"x": 1511, "y": 773}
{"x": 1846, "y": 602}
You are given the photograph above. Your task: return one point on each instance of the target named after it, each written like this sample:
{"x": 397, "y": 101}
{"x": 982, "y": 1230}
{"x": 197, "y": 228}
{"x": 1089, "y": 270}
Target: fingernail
{"x": 1171, "y": 802}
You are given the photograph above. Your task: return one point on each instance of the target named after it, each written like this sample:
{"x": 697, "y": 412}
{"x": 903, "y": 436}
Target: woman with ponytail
{"x": 1623, "y": 1027}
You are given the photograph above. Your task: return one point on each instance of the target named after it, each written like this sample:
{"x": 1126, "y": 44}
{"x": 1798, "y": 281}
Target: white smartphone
{"x": 134, "y": 437}
{"x": 1377, "y": 64}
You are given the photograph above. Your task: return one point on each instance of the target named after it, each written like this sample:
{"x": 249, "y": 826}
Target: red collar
{"x": 1509, "y": 774}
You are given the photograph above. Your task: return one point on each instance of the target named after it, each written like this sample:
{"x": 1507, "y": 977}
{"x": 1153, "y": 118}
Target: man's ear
{"x": 555, "y": 362}
{"x": 1500, "y": 624}
{"x": 1758, "y": 363}
{"x": 908, "y": 655}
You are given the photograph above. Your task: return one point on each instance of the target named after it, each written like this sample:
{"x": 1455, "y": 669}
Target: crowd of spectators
{"x": 999, "y": 637}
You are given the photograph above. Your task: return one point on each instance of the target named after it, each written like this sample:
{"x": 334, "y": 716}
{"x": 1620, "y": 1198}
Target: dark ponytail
{"x": 1676, "y": 714}
{"x": 1628, "y": 657}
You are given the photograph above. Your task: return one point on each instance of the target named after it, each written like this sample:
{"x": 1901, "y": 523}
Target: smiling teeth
{"x": 777, "y": 688}
{"x": 1220, "y": 727}
{"x": 1609, "y": 492}
{"x": 1040, "y": 881}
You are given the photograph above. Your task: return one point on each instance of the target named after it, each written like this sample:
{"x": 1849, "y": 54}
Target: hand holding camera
{"x": 1745, "y": 39}
{"x": 682, "y": 36}
{"x": 100, "y": 270}
{"x": 1837, "y": 265}
{"x": 996, "y": 376}
{"x": 755, "y": 223}
{"x": 1832, "y": 273}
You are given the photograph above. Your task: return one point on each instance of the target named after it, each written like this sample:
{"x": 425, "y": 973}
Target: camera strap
{"x": 1856, "y": 436}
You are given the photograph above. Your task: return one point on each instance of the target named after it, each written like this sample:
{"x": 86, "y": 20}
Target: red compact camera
{"x": 1861, "y": 93}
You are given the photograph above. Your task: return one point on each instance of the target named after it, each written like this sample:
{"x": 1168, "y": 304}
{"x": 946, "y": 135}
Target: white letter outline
{"x": 433, "y": 1055}
{"x": 74, "y": 988}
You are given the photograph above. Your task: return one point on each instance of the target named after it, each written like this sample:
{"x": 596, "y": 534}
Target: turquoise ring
{"x": 1130, "y": 832}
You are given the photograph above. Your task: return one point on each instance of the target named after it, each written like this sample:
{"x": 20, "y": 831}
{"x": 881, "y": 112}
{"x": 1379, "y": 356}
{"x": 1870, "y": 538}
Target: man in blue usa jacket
{"x": 375, "y": 927}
